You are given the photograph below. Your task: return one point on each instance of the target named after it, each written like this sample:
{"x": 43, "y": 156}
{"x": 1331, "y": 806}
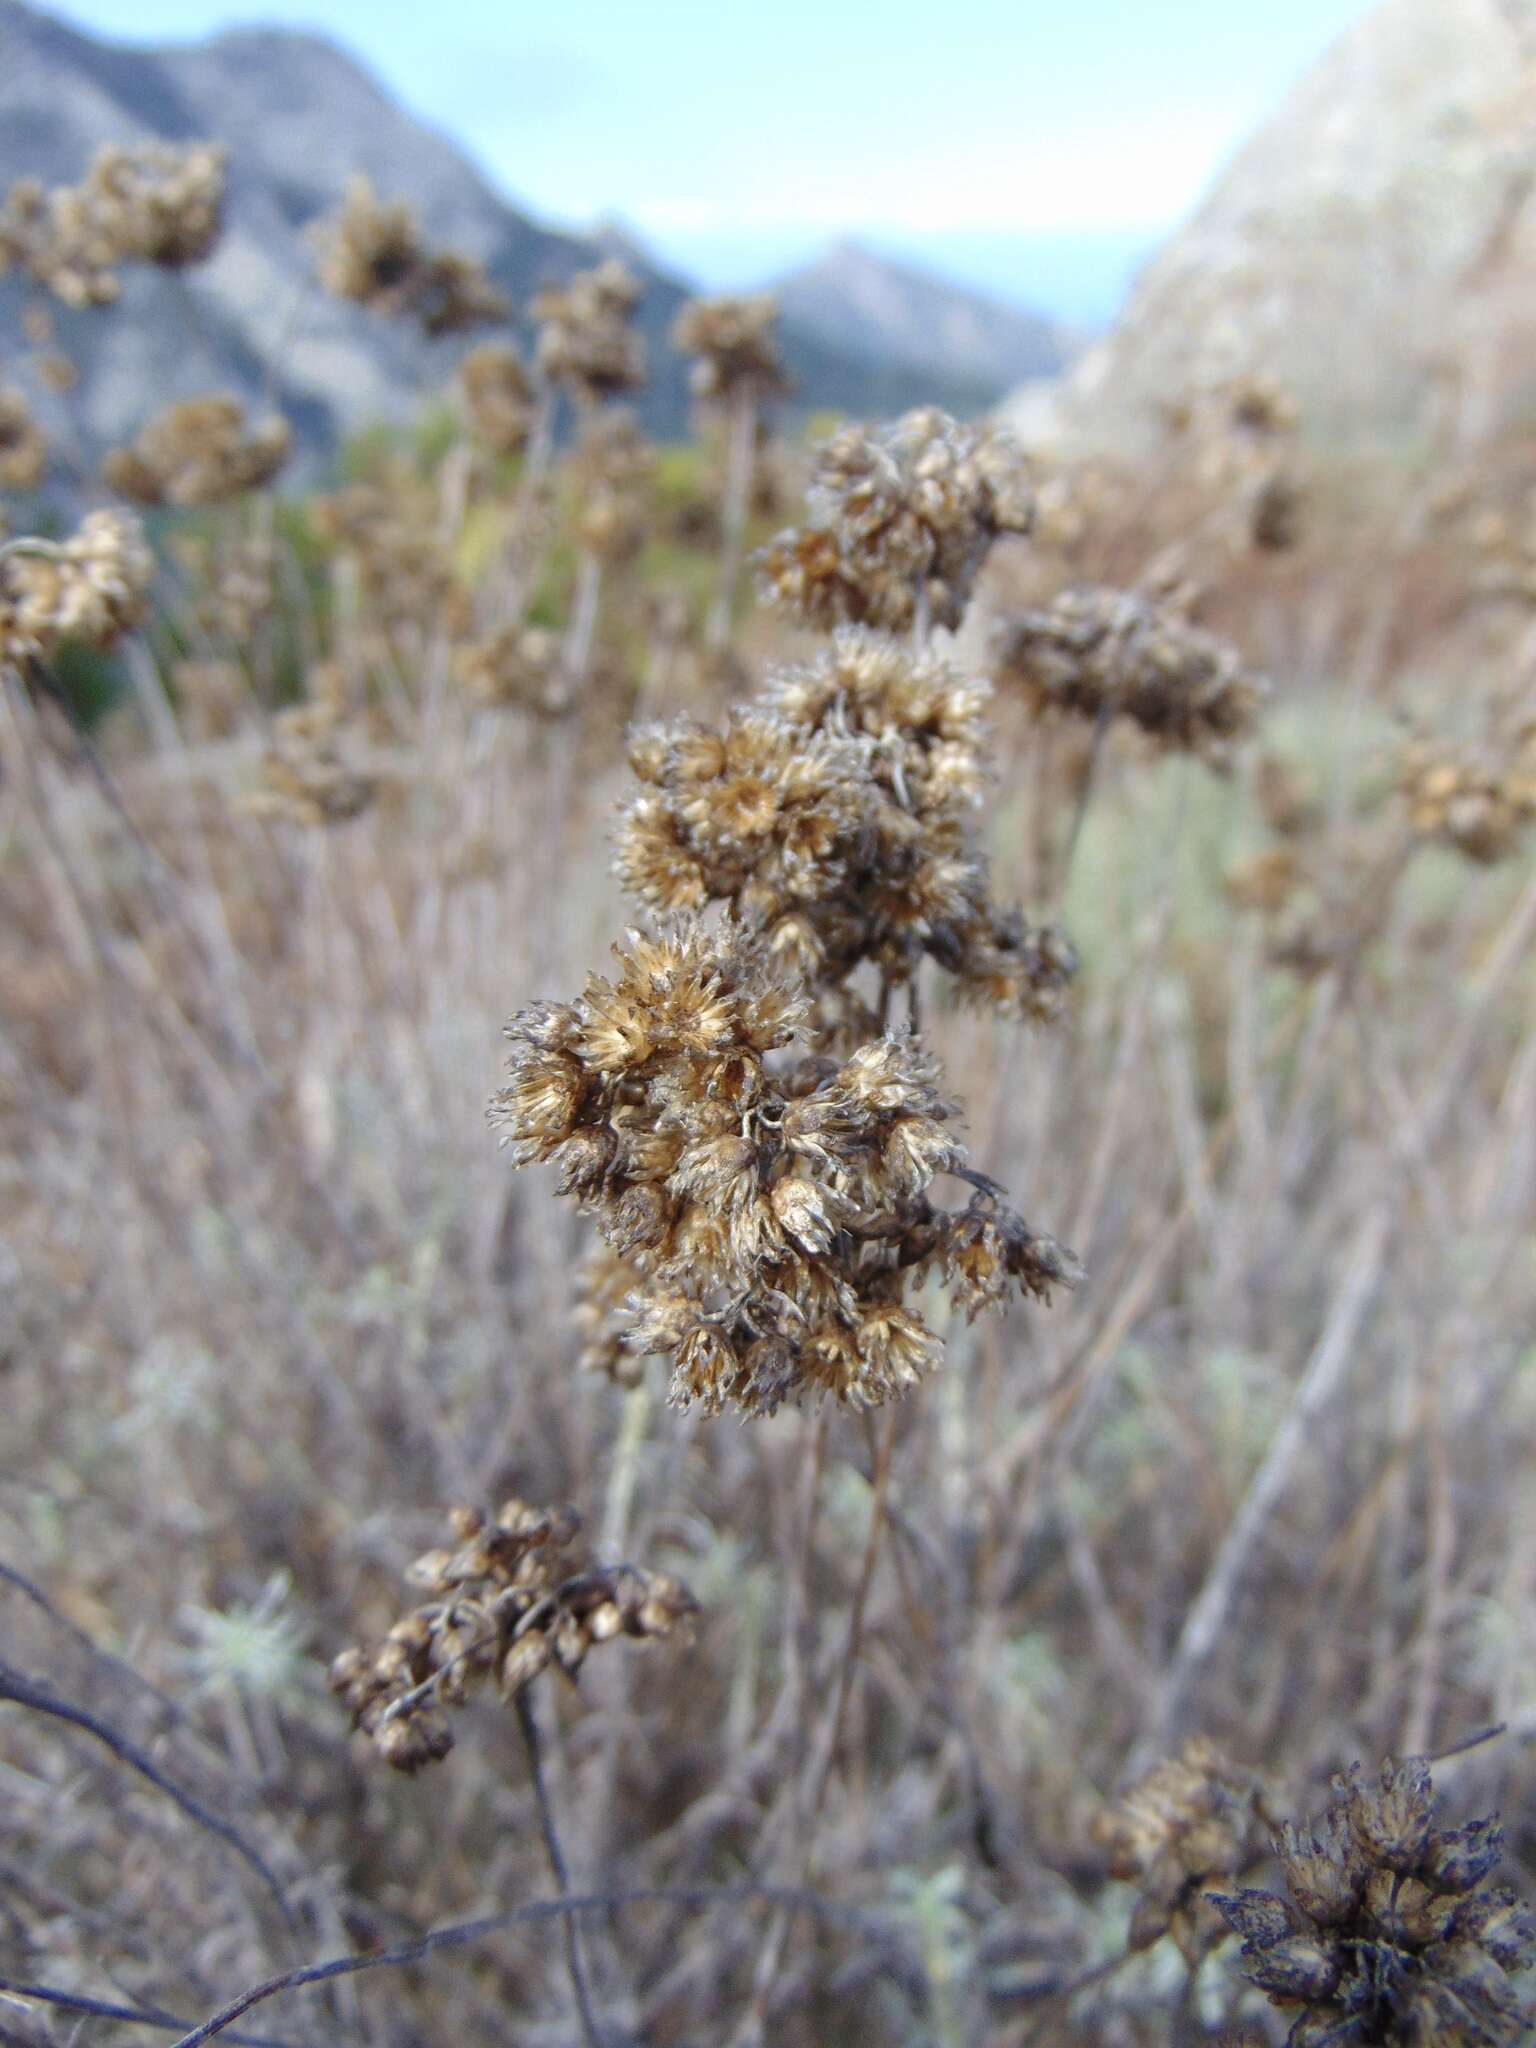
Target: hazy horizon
{"x": 1034, "y": 157}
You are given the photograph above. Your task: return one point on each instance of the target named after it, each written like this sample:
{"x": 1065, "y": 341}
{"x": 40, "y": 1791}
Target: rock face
{"x": 299, "y": 117}
{"x": 1371, "y": 246}
{"x": 865, "y": 304}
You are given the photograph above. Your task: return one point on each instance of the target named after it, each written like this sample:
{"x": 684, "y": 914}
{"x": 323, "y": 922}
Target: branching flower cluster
{"x": 372, "y": 252}
{"x": 504, "y": 1603}
{"x": 1101, "y": 653}
{"x": 92, "y": 588}
{"x": 832, "y": 815}
{"x": 1389, "y": 1933}
{"x": 198, "y": 452}
{"x": 903, "y": 517}
{"x": 775, "y": 1212}
{"x": 587, "y": 342}
{"x": 157, "y": 204}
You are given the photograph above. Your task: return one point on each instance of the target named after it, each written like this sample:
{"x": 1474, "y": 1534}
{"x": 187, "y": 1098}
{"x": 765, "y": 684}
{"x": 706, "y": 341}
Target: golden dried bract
{"x": 1479, "y": 799}
{"x": 1099, "y": 654}
{"x": 506, "y": 1601}
{"x": 1388, "y": 1933}
{"x": 198, "y": 452}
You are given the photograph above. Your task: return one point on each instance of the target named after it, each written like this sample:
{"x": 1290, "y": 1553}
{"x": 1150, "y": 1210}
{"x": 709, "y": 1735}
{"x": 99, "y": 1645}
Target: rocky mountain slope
{"x": 299, "y": 117}
{"x": 867, "y": 304}
{"x": 1372, "y": 246}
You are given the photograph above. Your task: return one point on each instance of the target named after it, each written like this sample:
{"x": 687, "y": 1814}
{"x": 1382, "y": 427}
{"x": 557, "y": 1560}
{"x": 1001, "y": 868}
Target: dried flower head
{"x": 1479, "y": 799}
{"x": 518, "y": 666}
{"x": 1193, "y": 1820}
{"x": 1388, "y": 1934}
{"x": 198, "y": 452}
{"x": 23, "y": 446}
{"x": 372, "y": 252}
{"x": 154, "y": 204}
{"x": 776, "y": 1211}
{"x": 1096, "y": 653}
{"x": 586, "y": 338}
{"x": 832, "y": 815}
{"x": 308, "y": 774}
{"x": 92, "y": 588}
{"x": 736, "y": 346}
{"x": 609, "y": 470}
{"x": 498, "y": 397}
{"x": 902, "y": 519}
{"x": 505, "y": 1601}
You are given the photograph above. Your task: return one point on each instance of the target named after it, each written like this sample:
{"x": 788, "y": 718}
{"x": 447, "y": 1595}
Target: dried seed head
{"x": 197, "y": 453}
{"x": 736, "y": 346}
{"x": 91, "y": 588}
{"x": 586, "y": 339}
{"x": 372, "y": 253}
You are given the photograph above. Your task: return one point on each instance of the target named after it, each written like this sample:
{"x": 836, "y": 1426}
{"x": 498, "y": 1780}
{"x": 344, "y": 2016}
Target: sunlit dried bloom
{"x": 518, "y": 666}
{"x": 23, "y": 446}
{"x": 609, "y": 470}
{"x": 901, "y": 520}
{"x": 506, "y": 1600}
{"x": 198, "y": 452}
{"x": 831, "y": 814}
{"x": 498, "y": 397}
{"x": 1192, "y": 1821}
{"x": 775, "y": 1212}
{"x": 1479, "y": 799}
{"x": 586, "y": 338}
{"x": 92, "y": 588}
{"x": 372, "y": 252}
{"x": 1389, "y": 1935}
{"x": 736, "y": 346}
{"x": 1098, "y": 653}
{"x": 55, "y": 239}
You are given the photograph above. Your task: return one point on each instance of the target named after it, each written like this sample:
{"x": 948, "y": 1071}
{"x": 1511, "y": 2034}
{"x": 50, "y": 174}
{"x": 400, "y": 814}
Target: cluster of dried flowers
{"x": 92, "y": 588}
{"x": 155, "y": 204}
{"x": 498, "y": 397}
{"x": 736, "y": 344}
{"x": 307, "y": 774}
{"x": 587, "y": 343}
{"x": 517, "y": 666}
{"x": 1477, "y": 799}
{"x": 1102, "y": 654}
{"x": 903, "y": 517}
{"x": 609, "y": 469}
{"x": 832, "y": 815}
{"x": 23, "y": 445}
{"x": 198, "y": 452}
{"x": 504, "y": 1603}
{"x": 1193, "y": 1821}
{"x": 373, "y": 253}
{"x": 1389, "y": 1933}
{"x": 776, "y": 1213}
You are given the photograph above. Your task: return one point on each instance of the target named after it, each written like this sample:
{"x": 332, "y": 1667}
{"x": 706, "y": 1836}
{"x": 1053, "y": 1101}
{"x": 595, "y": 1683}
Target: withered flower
{"x": 736, "y": 346}
{"x": 505, "y": 1602}
{"x": 1479, "y": 799}
{"x": 373, "y": 253}
{"x": 1388, "y": 1936}
{"x": 1097, "y": 653}
{"x": 23, "y": 446}
{"x": 91, "y": 588}
{"x": 198, "y": 452}
{"x": 586, "y": 339}
{"x": 498, "y": 397}
{"x": 902, "y": 519}
{"x": 1191, "y": 1822}
{"x": 776, "y": 1211}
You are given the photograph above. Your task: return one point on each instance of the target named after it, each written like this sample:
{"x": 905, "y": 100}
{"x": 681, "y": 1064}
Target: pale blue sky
{"x": 991, "y": 139}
